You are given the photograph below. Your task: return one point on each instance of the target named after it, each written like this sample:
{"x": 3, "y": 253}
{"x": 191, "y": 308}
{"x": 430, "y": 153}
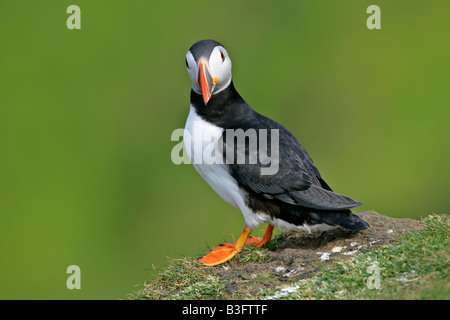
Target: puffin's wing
{"x": 296, "y": 182}
{"x": 294, "y": 188}
{"x": 319, "y": 198}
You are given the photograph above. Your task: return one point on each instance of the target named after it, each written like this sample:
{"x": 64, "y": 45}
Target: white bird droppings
{"x": 324, "y": 256}
{"x": 283, "y": 293}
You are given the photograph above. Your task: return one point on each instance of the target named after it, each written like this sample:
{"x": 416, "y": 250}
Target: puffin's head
{"x": 209, "y": 68}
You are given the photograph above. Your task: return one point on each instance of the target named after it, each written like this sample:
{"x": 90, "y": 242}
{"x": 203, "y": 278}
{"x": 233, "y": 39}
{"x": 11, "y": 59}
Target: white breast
{"x": 200, "y": 139}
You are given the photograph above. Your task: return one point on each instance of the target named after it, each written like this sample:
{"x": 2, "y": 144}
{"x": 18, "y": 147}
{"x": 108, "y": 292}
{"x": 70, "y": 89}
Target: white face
{"x": 219, "y": 66}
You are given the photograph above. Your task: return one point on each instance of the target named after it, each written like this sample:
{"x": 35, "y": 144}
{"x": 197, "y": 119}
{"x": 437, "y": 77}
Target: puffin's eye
{"x": 223, "y": 56}
{"x": 187, "y": 64}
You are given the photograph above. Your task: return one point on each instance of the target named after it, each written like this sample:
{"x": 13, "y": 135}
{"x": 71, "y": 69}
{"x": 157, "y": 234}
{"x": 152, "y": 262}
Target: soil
{"x": 300, "y": 255}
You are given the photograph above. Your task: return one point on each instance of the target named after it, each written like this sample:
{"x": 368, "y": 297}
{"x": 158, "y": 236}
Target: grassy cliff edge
{"x": 394, "y": 259}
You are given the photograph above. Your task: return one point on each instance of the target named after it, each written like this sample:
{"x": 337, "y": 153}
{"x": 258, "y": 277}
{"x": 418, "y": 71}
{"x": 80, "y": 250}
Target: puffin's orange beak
{"x": 206, "y": 80}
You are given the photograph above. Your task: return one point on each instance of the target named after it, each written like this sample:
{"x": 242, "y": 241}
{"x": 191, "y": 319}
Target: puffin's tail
{"x": 344, "y": 219}
{"x": 300, "y": 215}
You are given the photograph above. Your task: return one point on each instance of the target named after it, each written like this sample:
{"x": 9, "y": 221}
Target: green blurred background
{"x": 86, "y": 118}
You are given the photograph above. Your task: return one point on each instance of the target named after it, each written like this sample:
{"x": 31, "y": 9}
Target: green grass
{"x": 181, "y": 279}
{"x": 415, "y": 266}
{"x": 185, "y": 279}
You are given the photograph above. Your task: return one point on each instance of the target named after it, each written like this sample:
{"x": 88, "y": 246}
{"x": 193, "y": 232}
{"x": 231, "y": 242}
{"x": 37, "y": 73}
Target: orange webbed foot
{"x": 226, "y": 251}
{"x": 252, "y": 240}
{"x": 219, "y": 255}
{"x": 260, "y": 242}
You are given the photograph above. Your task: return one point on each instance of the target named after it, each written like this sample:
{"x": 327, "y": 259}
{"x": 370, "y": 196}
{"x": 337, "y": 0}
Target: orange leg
{"x": 226, "y": 251}
{"x": 260, "y": 242}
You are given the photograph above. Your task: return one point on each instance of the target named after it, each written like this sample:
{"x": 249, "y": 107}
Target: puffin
{"x": 288, "y": 193}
